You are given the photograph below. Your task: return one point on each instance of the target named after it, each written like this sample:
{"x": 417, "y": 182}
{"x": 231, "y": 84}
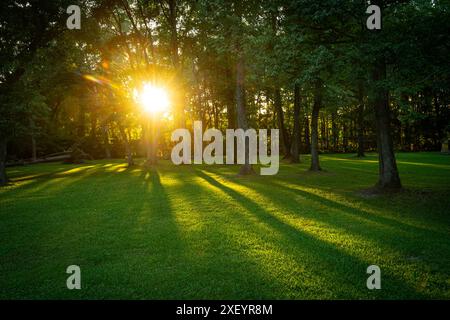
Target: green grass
{"x": 201, "y": 232}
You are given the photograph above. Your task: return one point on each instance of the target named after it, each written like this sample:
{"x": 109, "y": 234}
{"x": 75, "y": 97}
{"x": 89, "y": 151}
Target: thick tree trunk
{"x": 246, "y": 168}
{"x": 295, "y": 150}
{"x": 315, "y": 166}
{"x": 280, "y": 118}
{"x": 388, "y": 172}
{"x": 3, "y": 177}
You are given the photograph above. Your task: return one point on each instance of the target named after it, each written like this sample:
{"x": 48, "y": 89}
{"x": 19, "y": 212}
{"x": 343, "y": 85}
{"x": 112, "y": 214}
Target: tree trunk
{"x": 81, "y": 121}
{"x": 361, "y": 153}
{"x": 360, "y": 123}
{"x": 344, "y": 135}
{"x": 33, "y": 141}
{"x": 388, "y": 172}
{"x": 280, "y": 118}
{"x": 152, "y": 142}
{"x": 246, "y": 168}
{"x": 179, "y": 92}
{"x": 307, "y": 135}
{"x": 314, "y": 127}
{"x": 230, "y": 97}
{"x": 129, "y": 154}
{"x": 3, "y": 177}
{"x": 295, "y": 150}
{"x": 334, "y": 131}
{"x": 106, "y": 142}
{"x": 33, "y": 148}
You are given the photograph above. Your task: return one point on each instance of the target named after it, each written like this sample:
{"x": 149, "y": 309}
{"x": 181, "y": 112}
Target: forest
{"x": 355, "y": 175}
{"x": 312, "y": 70}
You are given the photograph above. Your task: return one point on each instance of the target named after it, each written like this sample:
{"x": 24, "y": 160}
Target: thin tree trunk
{"x": 81, "y": 121}
{"x": 129, "y": 154}
{"x": 33, "y": 140}
{"x": 360, "y": 123}
{"x": 315, "y": 166}
{"x": 33, "y": 148}
{"x": 106, "y": 142}
{"x": 388, "y": 172}
{"x": 327, "y": 133}
{"x": 307, "y": 135}
{"x": 334, "y": 131}
{"x": 344, "y": 135}
{"x": 3, "y": 177}
{"x": 295, "y": 150}
{"x": 361, "y": 153}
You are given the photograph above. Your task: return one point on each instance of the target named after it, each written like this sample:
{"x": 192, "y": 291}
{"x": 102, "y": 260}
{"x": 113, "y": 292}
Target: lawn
{"x": 202, "y": 232}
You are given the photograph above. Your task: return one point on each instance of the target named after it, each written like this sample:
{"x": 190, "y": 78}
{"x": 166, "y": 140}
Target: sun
{"x": 153, "y": 99}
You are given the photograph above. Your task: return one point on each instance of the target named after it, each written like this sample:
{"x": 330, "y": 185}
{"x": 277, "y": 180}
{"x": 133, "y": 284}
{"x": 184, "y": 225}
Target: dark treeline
{"x": 310, "y": 68}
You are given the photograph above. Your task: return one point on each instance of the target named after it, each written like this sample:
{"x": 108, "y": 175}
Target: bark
{"x": 246, "y": 168}
{"x": 388, "y": 172}
{"x": 280, "y": 119}
{"x": 315, "y": 166}
{"x": 3, "y": 177}
{"x": 295, "y": 150}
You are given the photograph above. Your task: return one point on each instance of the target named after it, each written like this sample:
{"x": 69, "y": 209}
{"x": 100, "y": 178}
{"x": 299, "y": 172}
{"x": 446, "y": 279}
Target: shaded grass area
{"x": 201, "y": 232}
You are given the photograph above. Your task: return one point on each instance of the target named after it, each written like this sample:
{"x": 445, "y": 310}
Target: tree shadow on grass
{"x": 147, "y": 240}
{"x": 340, "y": 266}
{"x": 360, "y": 213}
{"x": 219, "y": 267}
{"x": 413, "y": 247}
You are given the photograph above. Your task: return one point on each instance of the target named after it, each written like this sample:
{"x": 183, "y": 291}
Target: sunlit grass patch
{"x": 205, "y": 232}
